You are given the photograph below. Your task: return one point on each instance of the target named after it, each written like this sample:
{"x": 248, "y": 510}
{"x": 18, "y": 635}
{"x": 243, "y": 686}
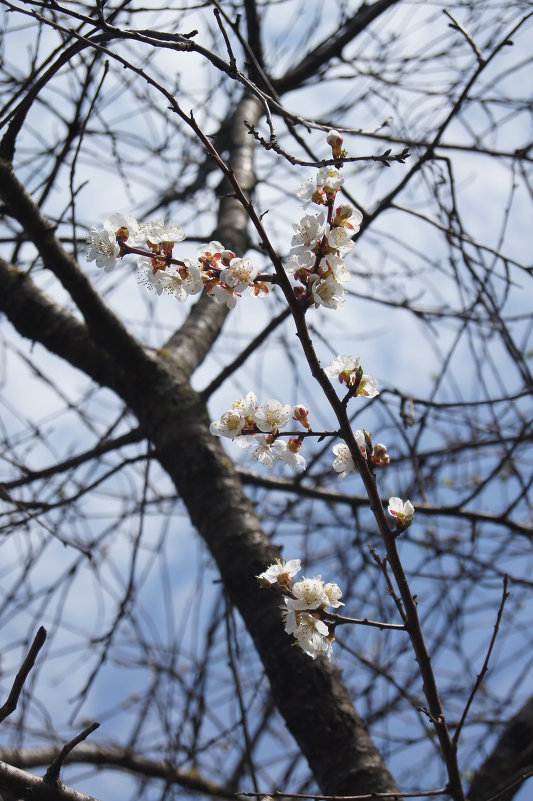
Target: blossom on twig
{"x": 368, "y": 386}
{"x": 345, "y": 368}
{"x": 403, "y": 511}
{"x": 235, "y": 420}
{"x": 335, "y": 140}
{"x": 272, "y": 415}
{"x": 280, "y": 572}
{"x": 343, "y": 462}
{"x": 101, "y": 245}
{"x": 306, "y": 601}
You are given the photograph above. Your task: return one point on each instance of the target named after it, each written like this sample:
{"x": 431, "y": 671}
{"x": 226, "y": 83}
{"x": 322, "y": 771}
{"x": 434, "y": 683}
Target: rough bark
{"x": 20, "y": 784}
{"x": 511, "y": 757}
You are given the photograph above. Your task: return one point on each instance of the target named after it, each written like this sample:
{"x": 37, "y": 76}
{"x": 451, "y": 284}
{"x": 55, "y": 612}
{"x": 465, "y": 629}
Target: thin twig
{"x": 458, "y": 27}
{"x": 245, "y": 353}
{"x": 13, "y": 697}
{"x": 339, "y": 620}
{"x": 232, "y": 61}
{"x": 52, "y": 774}
{"x": 238, "y": 690}
{"x": 364, "y": 797}
{"x": 382, "y": 564}
{"x": 484, "y": 669}
{"x": 512, "y": 786}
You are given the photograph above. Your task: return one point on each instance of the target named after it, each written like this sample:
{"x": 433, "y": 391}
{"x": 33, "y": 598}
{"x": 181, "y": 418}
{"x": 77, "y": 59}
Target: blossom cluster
{"x": 322, "y": 240}
{"x": 258, "y": 427}
{"x": 318, "y": 247}
{"x": 306, "y": 601}
{"x": 223, "y": 275}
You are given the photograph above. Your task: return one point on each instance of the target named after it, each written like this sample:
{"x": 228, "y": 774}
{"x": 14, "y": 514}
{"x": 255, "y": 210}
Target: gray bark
{"x": 511, "y": 757}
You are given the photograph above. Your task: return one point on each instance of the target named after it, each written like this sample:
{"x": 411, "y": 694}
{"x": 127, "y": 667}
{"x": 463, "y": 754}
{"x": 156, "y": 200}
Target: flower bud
{"x": 380, "y": 457}
{"x": 299, "y": 413}
{"x": 334, "y": 140}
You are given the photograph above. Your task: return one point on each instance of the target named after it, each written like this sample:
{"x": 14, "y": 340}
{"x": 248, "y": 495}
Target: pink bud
{"x": 299, "y": 413}
{"x": 380, "y": 457}
{"x": 334, "y": 140}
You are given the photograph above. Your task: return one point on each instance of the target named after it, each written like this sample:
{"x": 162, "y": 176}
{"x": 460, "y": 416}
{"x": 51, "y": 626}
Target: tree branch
{"x": 12, "y": 700}
{"x": 331, "y": 47}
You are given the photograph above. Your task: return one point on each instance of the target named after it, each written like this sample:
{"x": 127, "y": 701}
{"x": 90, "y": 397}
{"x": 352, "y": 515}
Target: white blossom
{"x": 230, "y": 425}
{"x": 245, "y": 440}
{"x": 179, "y": 281}
{"x": 272, "y": 415}
{"x": 234, "y": 420}
{"x": 308, "y": 593}
{"x": 368, "y": 386}
{"x": 326, "y": 292}
{"x": 333, "y": 265}
{"x": 245, "y": 405}
{"x": 304, "y": 260}
{"x": 305, "y": 601}
{"x": 403, "y": 511}
{"x": 344, "y": 367}
{"x": 124, "y": 225}
{"x": 211, "y": 253}
{"x": 291, "y": 265}
{"x": 288, "y": 615}
{"x": 343, "y": 462}
{"x": 349, "y": 217}
{"x": 312, "y": 636}
{"x": 101, "y": 246}
{"x": 306, "y": 191}
{"x": 266, "y": 453}
{"x": 330, "y": 178}
{"x": 223, "y": 294}
{"x": 291, "y": 456}
{"x": 309, "y": 232}
{"x": 339, "y": 239}
{"x": 333, "y": 592}
{"x": 193, "y": 279}
{"x": 280, "y": 571}
{"x": 156, "y": 231}
{"x": 160, "y": 281}
{"x": 239, "y": 274}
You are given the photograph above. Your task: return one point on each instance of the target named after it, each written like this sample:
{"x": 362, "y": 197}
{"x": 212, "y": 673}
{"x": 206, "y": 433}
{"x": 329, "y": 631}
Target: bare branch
{"x": 52, "y": 774}
{"x": 12, "y": 700}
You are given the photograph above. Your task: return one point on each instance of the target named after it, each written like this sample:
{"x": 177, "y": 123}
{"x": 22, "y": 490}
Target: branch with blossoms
{"x": 316, "y": 264}
{"x": 305, "y": 613}
{"x": 251, "y": 425}
{"x": 216, "y": 269}
{"x": 315, "y": 260}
